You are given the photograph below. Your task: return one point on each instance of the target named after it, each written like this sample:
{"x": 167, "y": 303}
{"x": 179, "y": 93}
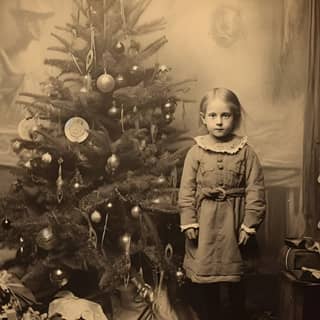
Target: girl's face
{"x": 218, "y": 119}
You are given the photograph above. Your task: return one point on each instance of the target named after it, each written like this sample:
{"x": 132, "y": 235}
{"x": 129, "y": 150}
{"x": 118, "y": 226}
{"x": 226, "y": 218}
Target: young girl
{"x": 221, "y": 202}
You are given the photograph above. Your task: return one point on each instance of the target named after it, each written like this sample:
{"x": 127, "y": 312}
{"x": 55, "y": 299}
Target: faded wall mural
{"x": 25, "y": 26}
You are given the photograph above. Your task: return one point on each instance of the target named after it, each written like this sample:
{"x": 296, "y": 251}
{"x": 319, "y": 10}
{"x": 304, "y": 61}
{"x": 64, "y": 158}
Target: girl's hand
{"x": 243, "y": 238}
{"x": 191, "y": 233}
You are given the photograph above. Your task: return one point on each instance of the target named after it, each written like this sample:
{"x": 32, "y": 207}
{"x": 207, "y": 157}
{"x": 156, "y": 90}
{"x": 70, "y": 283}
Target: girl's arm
{"x": 255, "y": 204}
{"x": 187, "y": 192}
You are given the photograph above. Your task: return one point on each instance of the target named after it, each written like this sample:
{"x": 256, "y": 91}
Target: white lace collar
{"x": 230, "y": 147}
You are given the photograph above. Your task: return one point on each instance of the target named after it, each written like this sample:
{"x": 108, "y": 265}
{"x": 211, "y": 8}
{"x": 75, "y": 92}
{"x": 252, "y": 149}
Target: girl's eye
{"x": 212, "y": 115}
{"x": 226, "y": 115}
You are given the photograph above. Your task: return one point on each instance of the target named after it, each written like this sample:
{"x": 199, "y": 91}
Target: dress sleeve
{"x": 255, "y": 203}
{"x": 187, "y": 192}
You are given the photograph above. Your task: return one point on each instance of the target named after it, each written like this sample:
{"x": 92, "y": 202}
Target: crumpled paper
{"x": 71, "y": 307}
{"x": 21, "y": 294}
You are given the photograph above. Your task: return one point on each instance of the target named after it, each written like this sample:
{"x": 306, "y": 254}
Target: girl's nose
{"x": 219, "y": 120}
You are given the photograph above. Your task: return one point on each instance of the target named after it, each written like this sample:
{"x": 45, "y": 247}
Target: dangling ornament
{"x": 168, "y": 117}
{"x": 77, "y": 180}
{"x": 46, "y": 239}
{"x": 114, "y": 112}
{"x": 91, "y": 56}
{"x": 113, "y": 163}
{"x": 135, "y": 70}
{"x": 135, "y": 74}
{"x": 105, "y": 83}
{"x": 161, "y": 181}
{"x": 76, "y": 129}
{"x": 125, "y": 242}
{"x": 59, "y": 277}
{"x": 142, "y": 145}
{"x": 119, "y": 47}
{"x": 6, "y": 223}
{"x": 25, "y": 251}
{"x": 60, "y": 182}
{"x": 46, "y": 157}
{"x": 134, "y": 48}
{"x": 86, "y": 84}
{"x": 109, "y": 205}
{"x": 163, "y": 68}
{"x": 16, "y": 146}
{"x": 96, "y": 216}
{"x": 136, "y": 212}
{"x": 120, "y": 81}
{"x": 180, "y": 276}
{"x": 169, "y": 107}
{"x": 28, "y": 164}
{"x": 163, "y": 73}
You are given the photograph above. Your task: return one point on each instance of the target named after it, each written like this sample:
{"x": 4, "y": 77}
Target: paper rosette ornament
{"x": 76, "y": 129}
{"x": 25, "y": 128}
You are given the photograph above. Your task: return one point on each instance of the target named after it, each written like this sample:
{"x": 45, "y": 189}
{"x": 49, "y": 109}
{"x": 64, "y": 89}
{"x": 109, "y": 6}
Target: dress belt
{"x": 218, "y": 194}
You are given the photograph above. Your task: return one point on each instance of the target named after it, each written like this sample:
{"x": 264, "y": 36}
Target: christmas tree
{"x": 98, "y": 158}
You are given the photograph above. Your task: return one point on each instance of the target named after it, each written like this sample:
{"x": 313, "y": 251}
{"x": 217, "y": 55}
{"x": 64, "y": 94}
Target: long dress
{"x": 221, "y": 191}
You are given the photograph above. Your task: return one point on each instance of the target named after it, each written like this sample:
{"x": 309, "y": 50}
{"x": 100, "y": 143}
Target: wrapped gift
{"x": 71, "y": 307}
{"x": 294, "y": 258}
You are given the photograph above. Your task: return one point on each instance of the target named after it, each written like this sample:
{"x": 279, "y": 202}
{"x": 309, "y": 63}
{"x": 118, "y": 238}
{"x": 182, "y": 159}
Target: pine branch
{"x": 40, "y": 97}
{"x": 82, "y": 32}
{"x": 63, "y": 29}
{"x": 149, "y": 27}
{"x": 66, "y": 66}
{"x": 64, "y": 42}
{"x": 81, "y": 8}
{"x": 152, "y": 48}
{"x": 135, "y": 15}
{"x": 58, "y": 49}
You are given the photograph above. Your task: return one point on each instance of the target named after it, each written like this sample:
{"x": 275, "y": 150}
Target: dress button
{"x": 220, "y": 166}
{"x": 219, "y": 160}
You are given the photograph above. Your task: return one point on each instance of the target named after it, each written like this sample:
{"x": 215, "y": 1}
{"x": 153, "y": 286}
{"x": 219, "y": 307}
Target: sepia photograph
{"x": 159, "y": 159}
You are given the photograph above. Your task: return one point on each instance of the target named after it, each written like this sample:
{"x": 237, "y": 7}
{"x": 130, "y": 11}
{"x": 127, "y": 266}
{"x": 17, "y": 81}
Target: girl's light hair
{"x": 226, "y": 96}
